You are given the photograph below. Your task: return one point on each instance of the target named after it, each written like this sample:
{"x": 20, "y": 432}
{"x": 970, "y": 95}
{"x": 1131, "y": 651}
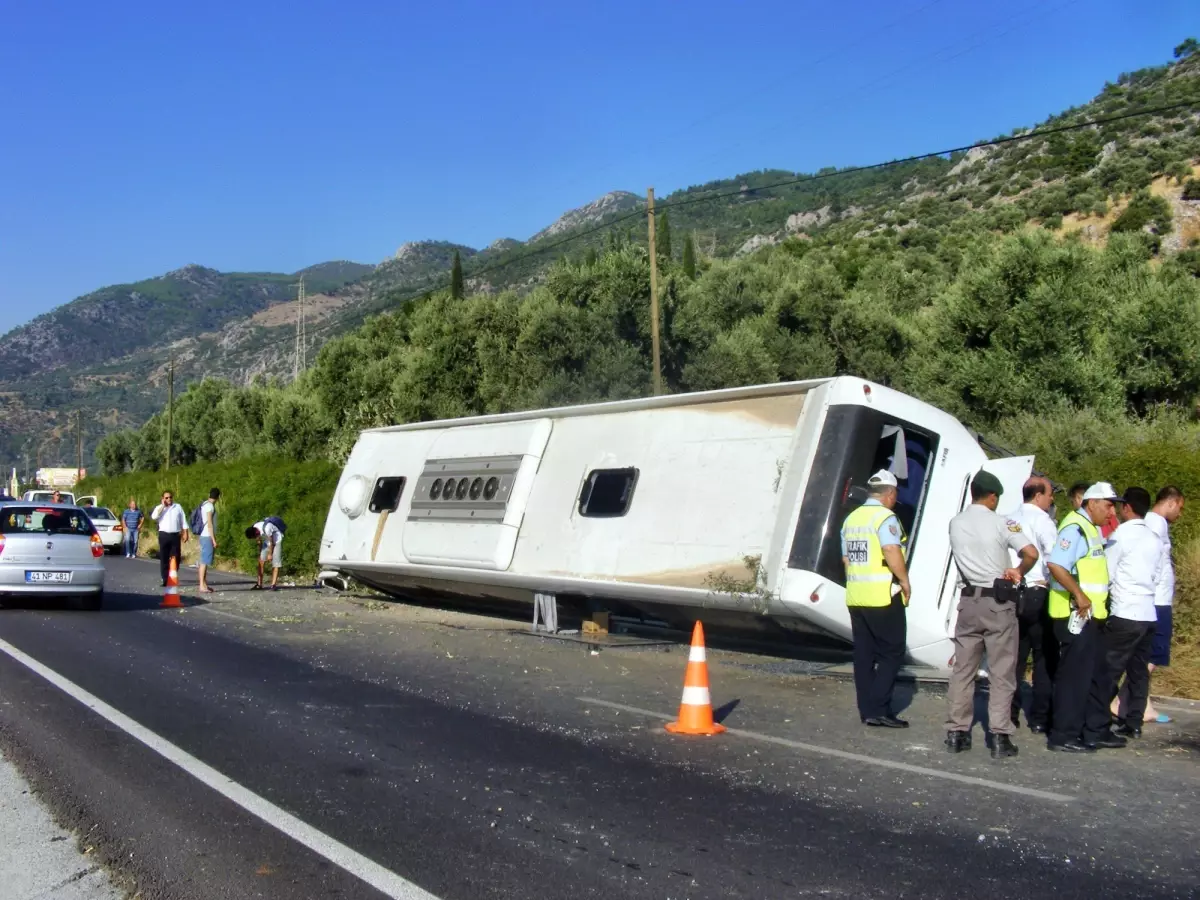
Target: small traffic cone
{"x": 171, "y": 591}
{"x": 695, "y": 709}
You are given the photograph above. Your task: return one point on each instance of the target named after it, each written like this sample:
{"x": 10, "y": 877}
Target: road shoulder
{"x": 41, "y": 860}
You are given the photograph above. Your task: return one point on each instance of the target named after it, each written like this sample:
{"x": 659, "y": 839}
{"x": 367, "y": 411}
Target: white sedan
{"x": 108, "y": 526}
{"x": 50, "y": 549}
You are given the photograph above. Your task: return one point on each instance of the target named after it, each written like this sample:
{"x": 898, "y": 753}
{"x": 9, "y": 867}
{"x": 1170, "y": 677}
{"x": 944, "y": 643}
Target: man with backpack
{"x": 269, "y": 534}
{"x": 204, "y": 526}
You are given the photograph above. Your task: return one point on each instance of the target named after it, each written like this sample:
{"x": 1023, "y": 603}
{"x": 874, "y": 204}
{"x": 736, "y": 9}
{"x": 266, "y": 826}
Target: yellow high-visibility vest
{"x": 868, "y": 578}
{"x": 1091, "y": 571}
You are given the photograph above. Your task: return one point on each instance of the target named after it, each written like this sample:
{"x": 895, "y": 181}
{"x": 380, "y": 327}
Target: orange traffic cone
{"x": 171, "y": 591}
{"x": 695, "y": 710}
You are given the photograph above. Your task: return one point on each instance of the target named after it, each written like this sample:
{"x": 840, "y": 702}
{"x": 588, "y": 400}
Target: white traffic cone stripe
{"x": 696, "y": 696}
{"x": 696, "y": 654}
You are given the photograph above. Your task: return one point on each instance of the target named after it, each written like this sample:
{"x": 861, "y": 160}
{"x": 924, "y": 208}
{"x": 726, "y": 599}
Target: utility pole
{"x": 170, "y": 408}
{"x": 658, "y": 388}
{"x": 300, "y": 359}
{"x": 78, "y": 447}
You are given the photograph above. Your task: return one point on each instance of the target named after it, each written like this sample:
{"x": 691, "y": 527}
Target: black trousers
{"x": 1073, "y": 680}
{"x": 1035, "y": 637}
{"x": 1124, "y": 644}
{"x": 169, "y": 544}
{"x": 879, "y": 636}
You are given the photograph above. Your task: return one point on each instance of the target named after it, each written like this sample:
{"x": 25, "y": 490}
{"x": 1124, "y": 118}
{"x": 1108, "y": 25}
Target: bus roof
{"x": 669, "y": 401}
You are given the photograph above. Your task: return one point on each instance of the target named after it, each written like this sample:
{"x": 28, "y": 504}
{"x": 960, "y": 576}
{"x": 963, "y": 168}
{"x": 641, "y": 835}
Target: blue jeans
{"x": 131, "y": 542}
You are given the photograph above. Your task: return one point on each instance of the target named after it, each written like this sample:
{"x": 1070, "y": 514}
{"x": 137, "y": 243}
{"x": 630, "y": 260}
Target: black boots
{"x": 1003, "y": 747}
{"x": 958, "y": 741}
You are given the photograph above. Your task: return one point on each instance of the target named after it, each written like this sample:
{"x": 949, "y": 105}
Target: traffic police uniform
{"x": 1080, "y": 550}
{"x": 877, "y": 619}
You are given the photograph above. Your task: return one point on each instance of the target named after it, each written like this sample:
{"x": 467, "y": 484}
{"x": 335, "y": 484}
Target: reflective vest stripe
{"x": 868, "y": 578}
{"x": 1091, "y": 571}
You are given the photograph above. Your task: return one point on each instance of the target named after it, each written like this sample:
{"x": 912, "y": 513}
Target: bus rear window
{"x": 856, "y": 442}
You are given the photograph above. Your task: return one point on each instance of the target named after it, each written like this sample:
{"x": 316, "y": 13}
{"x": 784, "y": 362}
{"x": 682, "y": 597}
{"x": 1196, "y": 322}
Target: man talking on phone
{"x": 172, "y": 533}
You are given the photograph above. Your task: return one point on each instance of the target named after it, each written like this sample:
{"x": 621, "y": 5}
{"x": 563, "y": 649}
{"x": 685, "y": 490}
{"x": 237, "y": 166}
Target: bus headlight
{"x": 352, "y": 497}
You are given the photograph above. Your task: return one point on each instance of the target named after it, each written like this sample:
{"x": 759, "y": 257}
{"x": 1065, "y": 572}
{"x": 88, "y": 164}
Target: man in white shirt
{"x": 270, "y": 540}
{"x": 1035, "y": 632}
{"x": 172, "y": 533}
{"x": 1134, "y": 555}
{"x": 1168, "y": 506}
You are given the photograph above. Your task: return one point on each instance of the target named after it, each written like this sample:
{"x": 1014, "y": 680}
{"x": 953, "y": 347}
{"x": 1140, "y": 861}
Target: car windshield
{"x": 99, "y": 512}
{"x": 39, "y": 520}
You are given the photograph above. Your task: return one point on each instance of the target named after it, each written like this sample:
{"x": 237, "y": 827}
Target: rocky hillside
{"x": 117, "y": 321}
{"x": 107, "y": 353}
{"x": 590, "y": 214}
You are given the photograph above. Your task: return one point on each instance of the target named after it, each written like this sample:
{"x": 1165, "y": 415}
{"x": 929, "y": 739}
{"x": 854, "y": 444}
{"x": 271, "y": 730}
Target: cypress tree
{"x": 664, "y": 237}
{"x": 689, "y": 256}
{"x": 590, "y": 259}
{"x": 456, "y": 278}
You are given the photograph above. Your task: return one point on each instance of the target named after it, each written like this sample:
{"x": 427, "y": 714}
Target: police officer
{"x": 877, "y": 591}
{"x": 987, "y": 615}
{"x": 1078, "y": 602}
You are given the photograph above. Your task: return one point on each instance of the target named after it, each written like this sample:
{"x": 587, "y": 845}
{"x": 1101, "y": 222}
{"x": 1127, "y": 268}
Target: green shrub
{"x": 1144, "y": 209}
{"x": 299, "y": 492}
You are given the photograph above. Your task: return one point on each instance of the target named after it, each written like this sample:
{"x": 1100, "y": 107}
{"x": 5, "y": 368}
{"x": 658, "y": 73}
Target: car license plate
{"x": 48, "y": 577}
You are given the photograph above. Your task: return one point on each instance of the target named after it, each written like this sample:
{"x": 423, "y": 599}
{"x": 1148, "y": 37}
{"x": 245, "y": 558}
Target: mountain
{"x": 116, "y": 321}
{"x": 103, "y": 353}
{"x": 107, "y": 353}
{"x": 592, "y": 213}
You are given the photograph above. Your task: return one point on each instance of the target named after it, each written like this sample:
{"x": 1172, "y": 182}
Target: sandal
{"x": 256, "y": 587}
{"x": 1163, "y": 719}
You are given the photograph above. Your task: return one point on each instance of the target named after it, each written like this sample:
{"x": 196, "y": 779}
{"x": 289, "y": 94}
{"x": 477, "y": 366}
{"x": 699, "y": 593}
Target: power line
{"x": 997, "y": 142}
{"x": 1017, "y": 21}
{"x": 543, "y": 248}
{"x": 717, "y": 110}
{"x": 803, "y": 179}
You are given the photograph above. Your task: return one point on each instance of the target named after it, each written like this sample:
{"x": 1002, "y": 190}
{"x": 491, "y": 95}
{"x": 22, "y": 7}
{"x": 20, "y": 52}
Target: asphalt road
{"x": 477, "y": 762}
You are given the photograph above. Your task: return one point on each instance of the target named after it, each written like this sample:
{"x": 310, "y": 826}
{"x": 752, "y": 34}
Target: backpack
{"x": 196, "y": 524}
{"x": 277, "y": 522}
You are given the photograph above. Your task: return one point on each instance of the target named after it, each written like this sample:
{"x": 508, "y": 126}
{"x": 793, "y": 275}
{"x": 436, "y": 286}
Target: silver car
{"x": 50, "y": 549}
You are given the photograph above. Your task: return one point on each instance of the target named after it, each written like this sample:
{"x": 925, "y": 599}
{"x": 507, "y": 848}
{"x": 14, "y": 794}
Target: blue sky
{"x": 137, "y": 137}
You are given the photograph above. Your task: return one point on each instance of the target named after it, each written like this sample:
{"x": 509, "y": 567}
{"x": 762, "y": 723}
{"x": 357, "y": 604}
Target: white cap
{"x": 882, "y": 478}
{"x": 1101, "y": 490}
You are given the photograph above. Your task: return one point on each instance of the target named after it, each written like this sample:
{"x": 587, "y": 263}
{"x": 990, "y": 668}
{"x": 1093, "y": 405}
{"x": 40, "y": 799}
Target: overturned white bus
{"x": 723, "y": 505}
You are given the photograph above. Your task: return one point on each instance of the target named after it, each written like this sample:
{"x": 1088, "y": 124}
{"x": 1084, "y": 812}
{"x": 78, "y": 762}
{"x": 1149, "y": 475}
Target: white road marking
{"x": 855, "y": 757}
{"x": 334, "y": 851}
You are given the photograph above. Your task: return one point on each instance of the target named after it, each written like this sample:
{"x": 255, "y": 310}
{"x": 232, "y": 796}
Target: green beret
{"x": 986, "y": 483}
